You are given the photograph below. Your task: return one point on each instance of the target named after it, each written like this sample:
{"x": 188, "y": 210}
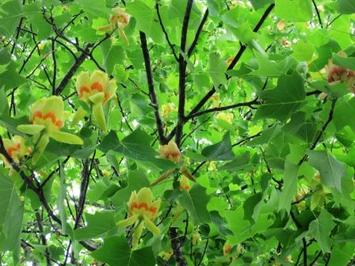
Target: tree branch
{"x": 240, "y": 52}
{"x": 223, "y": 108}
{"x": 182, "y": 74}
{"x": 318, "y": 14}
{"x": 322, "y": 130}
{"x": 176, "y": 247}
{"x": 197, "y": 35}
{"x": 80, "y": 59}
{"x": 165, "y": 32}
{"x": 152, "y": 95}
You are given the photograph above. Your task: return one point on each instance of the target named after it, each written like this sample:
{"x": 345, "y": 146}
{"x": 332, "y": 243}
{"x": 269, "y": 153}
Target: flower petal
{"x": 99, "y": 116}
{"x": 30, "y": 129}
{"x": 66, "y": 137}
{"x": 151, "y": 226}
{"x": 127, "y": 222}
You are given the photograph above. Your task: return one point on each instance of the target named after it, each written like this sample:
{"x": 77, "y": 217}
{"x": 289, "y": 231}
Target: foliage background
{"x": 258, "y": 63}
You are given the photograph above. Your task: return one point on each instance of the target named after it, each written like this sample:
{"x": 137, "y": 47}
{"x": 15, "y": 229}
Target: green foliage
{"x": 222, "y": 124}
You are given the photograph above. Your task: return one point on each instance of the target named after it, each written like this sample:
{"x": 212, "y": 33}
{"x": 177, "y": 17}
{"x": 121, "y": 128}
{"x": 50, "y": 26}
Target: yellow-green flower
{"x": 167, "y": 108}
{"x": 16, "y": 148}
{"x": 226, "y": 117}
{"x": 142, "y": 211}
{"x": 184, "y": 183}
{"x": 96, "y": 89}
{"x": 47, "y": 116}
{"x": 170, "y": 151}
{"x": 119, "y": 19}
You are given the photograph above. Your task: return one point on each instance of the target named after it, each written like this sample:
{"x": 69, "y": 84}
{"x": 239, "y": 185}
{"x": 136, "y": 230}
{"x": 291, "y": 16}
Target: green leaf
{"x": 342, "y": 109}
{"x": 330, "y": 169}
{"x": 135, "y": 146}
{"x": 221, "y": 151}
{"x": 241, "y": 161}
{"x": 341, "y": 254}
{"x": 113, "y": 55}
{"x": 271, "y": 68}
{"x": 284, "y": 100}
{"x": 136, "y": 180}
{"x": 260, "y": 3}
{"x": 195, "y": 202}
{"x": 320, "y": 229}
{"x": 249, "y": 205}
{"x": 303, "y": 51}
{"x": 294, "y": 10}
{"x": 216, "y": 69}
{"x": 10, "y": 78}
{"x": 347, "y": 62}
{"x": 10, "y": 15}
{"x": 289, "y": 189}
{"x": 11, "y": 215}
{"x": 94, "y": 8}
{"x": 115, "y": 251}
{"x": 98, "y": 224}
{"x": 346, "y": 6}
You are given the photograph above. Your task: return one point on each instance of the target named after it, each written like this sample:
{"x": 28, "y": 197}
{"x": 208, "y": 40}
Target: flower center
{"x": 48, "y": 116}
{"x": 96, "y": 86}
{"x": 143, "y": 206}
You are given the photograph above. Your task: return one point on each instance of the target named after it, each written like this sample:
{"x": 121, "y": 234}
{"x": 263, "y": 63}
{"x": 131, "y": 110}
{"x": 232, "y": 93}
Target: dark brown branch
{"x": 322, "y": 130}
{"x": 318, "y": 14}
{"x": 165, "y": 32}
{"x": 176, "y": 247}
{"x": 223, "y": 108}
{"x": 85, "y": 174}
{"x": 256, "y": 29}
{"x": 198, "y": 32}
{"x": 54, "y": 67}
{"x": 80, "y": 59}
{"x": 152, "y": 95}
{"x": 240, "y": 52}
{"x": 43, "y": 237}
{"x": 182, "y": 74}
{"x": 304, "y": 251}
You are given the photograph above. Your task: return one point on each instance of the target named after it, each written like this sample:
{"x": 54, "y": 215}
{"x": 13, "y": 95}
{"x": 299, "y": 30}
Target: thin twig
{"x": 165, "y": 32}
{"x": 152, "y": 95}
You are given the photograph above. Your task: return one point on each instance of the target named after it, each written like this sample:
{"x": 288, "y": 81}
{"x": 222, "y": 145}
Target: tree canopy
{"x": 177, "y": 132}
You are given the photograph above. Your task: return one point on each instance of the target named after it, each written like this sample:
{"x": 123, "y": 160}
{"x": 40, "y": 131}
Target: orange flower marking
{"x": 184, "y": 184}
{"x": 48, "y": 116}
{"x": 12, "y": 149}
{"x": 170, "y": 152}
{"x": 92, "y": 84}
{"x": 16, "y": 148}
{"x": 83, "y": 90}
{"x": 227, "y": 248}
{"x": 97, "y": 86}
{"x": 143, "y": 205}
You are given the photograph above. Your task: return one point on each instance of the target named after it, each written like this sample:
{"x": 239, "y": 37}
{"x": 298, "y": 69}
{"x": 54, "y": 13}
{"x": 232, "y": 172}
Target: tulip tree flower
{"x": 142, "y": 211}
{"x": 96, "y": 89}
{"x": 167, "y": 108}
{"x": 184, "y": 183}
{"x": 227, "y": 249}
{"x": 16, "y": 148}
{"x": 337, "y": 73}
{"x": 170, "y": 152}
{"x": 226, "y": 117}
{"x": 119, "y": 19}
{"x": 48, "y": 116}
